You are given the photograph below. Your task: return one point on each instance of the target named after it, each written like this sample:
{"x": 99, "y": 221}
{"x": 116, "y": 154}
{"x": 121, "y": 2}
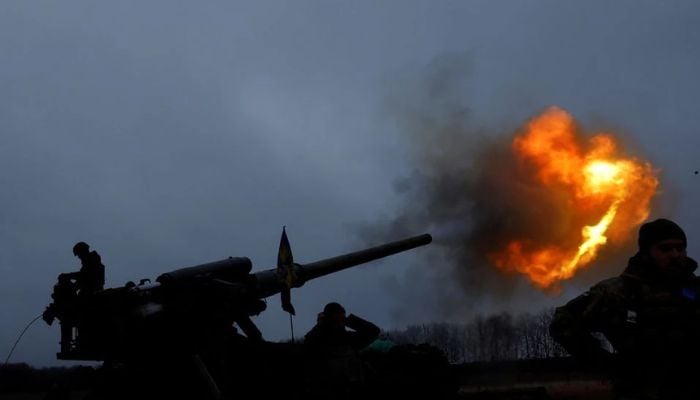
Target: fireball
{"x": 608, "y": 194}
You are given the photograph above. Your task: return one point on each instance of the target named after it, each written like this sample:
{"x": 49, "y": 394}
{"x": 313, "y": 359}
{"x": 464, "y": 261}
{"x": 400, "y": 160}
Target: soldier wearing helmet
{"x": 337, "y": 368}
{"x": 91, "y": 277}
{"x": 68, "y": 305}
{"x": 650, "y": 315}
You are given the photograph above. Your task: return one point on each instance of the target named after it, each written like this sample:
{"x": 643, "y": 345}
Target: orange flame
{"x": 607, "y": 196}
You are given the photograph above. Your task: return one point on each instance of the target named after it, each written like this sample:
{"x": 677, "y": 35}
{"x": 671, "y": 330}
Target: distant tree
{"x": 495, "y": 337}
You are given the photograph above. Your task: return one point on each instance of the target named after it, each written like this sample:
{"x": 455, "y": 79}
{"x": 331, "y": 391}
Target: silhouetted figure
{"x": 650, "y": 314}
{"x": 337, "y": 370}
{"x": 91, "y": 277}
{"x": 72, "y": 294}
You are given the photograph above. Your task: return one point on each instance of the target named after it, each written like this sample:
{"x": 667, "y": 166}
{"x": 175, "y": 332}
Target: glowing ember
{"x": 607, "y": 196}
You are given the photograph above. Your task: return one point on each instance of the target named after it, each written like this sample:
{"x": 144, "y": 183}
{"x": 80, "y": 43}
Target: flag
{"x": 285, "y": 272}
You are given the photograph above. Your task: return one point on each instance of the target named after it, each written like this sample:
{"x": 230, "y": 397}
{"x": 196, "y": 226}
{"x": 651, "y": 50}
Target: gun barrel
{"x": 267, "y": 282}
{"x": 231, "y": 269}
{"x": 331, "y": 265}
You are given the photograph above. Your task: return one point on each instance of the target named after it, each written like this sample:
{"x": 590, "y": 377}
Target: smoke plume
{"x": 474, "y": 196}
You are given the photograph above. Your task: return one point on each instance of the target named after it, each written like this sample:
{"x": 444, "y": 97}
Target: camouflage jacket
{"x": 652, "y": 322}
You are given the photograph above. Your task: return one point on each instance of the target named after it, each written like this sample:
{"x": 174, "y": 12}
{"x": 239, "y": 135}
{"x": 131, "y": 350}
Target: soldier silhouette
{"x": 91, "y": 276}
{"x": 334, "y": 352}
{"x": 71, "y": 294}
{"x": 650, "y": 314}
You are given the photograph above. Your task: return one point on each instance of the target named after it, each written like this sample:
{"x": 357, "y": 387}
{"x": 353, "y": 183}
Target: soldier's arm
{"x": 574, "y": 323}
{"x": 365, "y": 331}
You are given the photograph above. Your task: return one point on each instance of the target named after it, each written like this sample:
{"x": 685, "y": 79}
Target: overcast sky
{"x": 168, "y": 134}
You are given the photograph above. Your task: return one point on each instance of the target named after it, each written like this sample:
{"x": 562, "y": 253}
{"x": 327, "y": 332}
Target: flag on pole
{"x": 285, "y": 272}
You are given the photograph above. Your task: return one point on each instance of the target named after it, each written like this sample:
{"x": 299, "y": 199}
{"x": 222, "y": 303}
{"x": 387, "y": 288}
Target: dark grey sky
{"x": 168, "y": 134}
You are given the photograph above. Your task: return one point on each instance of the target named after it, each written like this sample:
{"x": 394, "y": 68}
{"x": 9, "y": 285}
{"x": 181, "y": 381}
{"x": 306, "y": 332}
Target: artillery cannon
{"x": 185, "y": 320}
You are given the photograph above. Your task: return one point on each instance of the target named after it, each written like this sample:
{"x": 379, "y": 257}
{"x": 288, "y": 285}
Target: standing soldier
{"x": 650, "y": 315}
{"x": 70, "y": 299}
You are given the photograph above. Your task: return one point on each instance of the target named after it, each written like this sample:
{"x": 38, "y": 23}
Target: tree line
{"x": 495, "y": 337}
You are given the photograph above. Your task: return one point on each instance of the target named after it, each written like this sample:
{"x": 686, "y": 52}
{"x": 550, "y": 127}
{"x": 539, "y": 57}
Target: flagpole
{"x": 291, "y": 325}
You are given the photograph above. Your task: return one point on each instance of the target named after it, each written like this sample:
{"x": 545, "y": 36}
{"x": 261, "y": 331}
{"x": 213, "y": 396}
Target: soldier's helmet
{"x": 81, "y": 248}
{"x": 333, "y": 308}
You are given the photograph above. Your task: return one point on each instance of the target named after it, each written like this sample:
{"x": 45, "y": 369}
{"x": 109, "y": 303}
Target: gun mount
{"x": 189, "y": 308}
{"x": 179, "y": 336}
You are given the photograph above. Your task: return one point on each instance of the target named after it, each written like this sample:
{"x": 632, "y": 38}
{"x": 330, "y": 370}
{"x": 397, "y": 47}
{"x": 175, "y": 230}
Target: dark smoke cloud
{"x": 467, "y": 191}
